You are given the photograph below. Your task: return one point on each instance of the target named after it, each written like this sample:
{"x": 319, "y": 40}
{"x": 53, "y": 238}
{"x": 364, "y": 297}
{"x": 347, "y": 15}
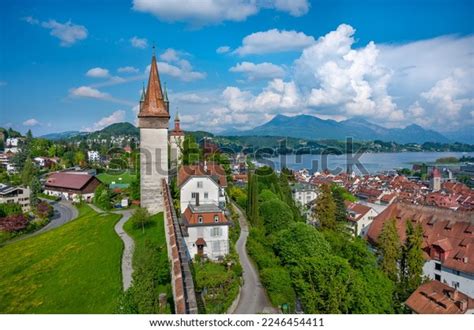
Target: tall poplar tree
{"x": 413, "y": 257}
{"x": 325, "y": 210}
{"x": 389, "y": 248}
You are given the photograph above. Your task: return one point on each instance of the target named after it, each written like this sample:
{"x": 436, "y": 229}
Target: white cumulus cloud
{"x": 263, "y": 70}
{"x": 31, "y": 122}
{"x": 222, "y": 49}
{"x": 86, "y": 91}
{"x": 274, "y": 41}
{"x": 139, "y": 42}
{"x": 204, "y": 12}
{"x": 127, "y": 69}
{"x": 116, "y": 117}
{"x": 67, "y": 32}
{"x": 98, "y": 73}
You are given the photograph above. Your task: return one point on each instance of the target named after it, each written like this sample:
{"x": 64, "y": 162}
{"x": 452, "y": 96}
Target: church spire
{"x": 165, "y": 98}
{"x": 153, "y": 103}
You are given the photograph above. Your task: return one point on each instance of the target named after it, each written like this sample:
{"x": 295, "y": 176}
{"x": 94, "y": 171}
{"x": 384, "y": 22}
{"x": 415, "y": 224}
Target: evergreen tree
{"x": 249, "y": 194}
{"x": 286, "y": 195}
{"x": 29, "y": 136}
{"x": 35, "y": 189}
{"x": 389, "y": 250}
{"x": 413, "y": 259}
{"x": 341, "y": 212}
{"x": 254, "y": 209}
{"x": 27, "y": 172}
{"x": 325, "y": 210}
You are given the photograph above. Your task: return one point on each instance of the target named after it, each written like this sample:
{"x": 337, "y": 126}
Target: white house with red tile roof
{"x": 202, "y": 184}
{"x": 206, "y": 231}
{"x": 71, "y": 185}
{"x": 360, "y": 218}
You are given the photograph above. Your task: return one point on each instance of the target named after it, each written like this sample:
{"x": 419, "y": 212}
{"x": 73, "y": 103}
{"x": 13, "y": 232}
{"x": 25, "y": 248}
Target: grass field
{"x": 107, "y": 178}
{"x": 151, "y": 268}
{"x": 72, "y": 269}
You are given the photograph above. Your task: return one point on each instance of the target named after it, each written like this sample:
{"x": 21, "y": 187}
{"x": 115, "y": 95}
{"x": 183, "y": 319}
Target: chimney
{"x": 462, "y": 304}
{"x": 455, "y": 294}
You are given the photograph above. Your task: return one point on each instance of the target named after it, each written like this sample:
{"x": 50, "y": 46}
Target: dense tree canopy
{"x": 325, "y": 210}
{"x": 298, "y": 241}
{"x": 276, "y": 215}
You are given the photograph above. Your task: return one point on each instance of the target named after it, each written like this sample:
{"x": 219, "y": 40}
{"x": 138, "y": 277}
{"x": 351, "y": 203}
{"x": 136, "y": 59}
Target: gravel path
{"x": 129, "y": 246}
{"x": 253, "y": 298}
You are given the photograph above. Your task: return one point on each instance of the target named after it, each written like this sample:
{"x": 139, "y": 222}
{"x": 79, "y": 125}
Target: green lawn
{"x": 107, "y": 178}
{"x": 151, "y": 269}
{"x": 75, "y": 268}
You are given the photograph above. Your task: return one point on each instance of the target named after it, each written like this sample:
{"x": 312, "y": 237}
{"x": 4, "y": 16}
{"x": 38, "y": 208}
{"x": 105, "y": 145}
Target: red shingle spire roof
{"x": 153, "y": 104}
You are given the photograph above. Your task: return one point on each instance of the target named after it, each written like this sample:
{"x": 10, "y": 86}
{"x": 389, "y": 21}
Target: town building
{"x": 206, "y": 231}
{"x": 435, "y": 180}
{"x": 303, "y": 193}
{"x": 176, "y": 140}
{"x": 153, "y": 121}
{"x": 6, "y": 161}
{"x": 72, "y": 186}
{"x": 12, "y": 145}
{"x": 448, "y": 241}
{"x": 202, "y": 205}
{"x": 93, "y": 156}
{"x": 434, "y": 297}
{"x": 19, "y": 195}
{"x": 202, "y": 184}
{"x": 359, "y": 218}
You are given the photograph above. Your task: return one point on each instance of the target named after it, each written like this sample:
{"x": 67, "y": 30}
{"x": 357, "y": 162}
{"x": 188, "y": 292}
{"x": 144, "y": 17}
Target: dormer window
{"x": 200, "y": 219}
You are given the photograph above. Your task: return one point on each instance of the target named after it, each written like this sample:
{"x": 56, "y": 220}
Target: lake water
{"x": 366, "y": 163}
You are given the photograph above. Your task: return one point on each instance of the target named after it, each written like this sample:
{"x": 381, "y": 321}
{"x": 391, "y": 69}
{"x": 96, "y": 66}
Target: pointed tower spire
{"x": 153, "y": 103}
{"x": 142, "y": 97}
{"x": 165, "y": 98}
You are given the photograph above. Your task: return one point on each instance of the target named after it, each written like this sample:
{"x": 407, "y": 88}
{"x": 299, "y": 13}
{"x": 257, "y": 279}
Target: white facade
{"x": 70, "y": 196}
{"x": 18, "y": 195}
{"x": 11, "y": 144}
{"x": 362, "y": 225}
{"x": 202, "y": 190}
{"x": 464, "y": 282}
{"x": 93, "y": 156}
{"x": 216, "y": 237}
{"x": 176, "y": 145}
{"x": 304, "y": 196}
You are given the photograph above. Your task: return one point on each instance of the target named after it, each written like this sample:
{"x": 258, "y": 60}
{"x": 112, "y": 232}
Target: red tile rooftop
{"x": 435, "y": 297}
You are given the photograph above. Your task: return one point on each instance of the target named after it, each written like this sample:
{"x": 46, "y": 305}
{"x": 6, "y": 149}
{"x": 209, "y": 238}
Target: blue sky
{"x": 79, "y": 65}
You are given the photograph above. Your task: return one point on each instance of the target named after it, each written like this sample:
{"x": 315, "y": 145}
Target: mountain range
{"x": 310, "y": 128}
{"x": 314, "y": 128}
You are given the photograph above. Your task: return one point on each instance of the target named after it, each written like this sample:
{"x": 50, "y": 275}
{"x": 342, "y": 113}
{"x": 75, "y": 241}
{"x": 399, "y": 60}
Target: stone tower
{"x": 153, "y": 121}
{"x": 435, "y": 180}
{"x": 176, "y": 144}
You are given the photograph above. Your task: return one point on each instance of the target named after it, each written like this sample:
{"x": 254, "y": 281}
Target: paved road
{"x": 64, "y": 212}
{"x": 253, "y": 298}
{"x": 129, "y": 246}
